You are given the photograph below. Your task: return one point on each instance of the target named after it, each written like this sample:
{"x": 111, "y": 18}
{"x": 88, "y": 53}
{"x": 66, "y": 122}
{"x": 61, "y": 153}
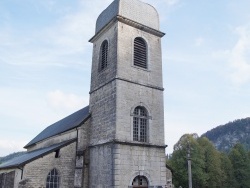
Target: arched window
{"x": 140, "y": 182}
{"x": 52, "y": 179}
{"x": 104, "y": 55}
{"x": 140, "y": 124}
{"x": 140, "y": 53}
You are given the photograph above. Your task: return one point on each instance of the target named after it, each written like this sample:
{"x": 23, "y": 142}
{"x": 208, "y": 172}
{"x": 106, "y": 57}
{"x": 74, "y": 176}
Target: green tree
{"x": 212, "y": 163}
{"x": 227, "y": 177}
{"x": 241, "y": 166}
{"x": 210, "y": 168}
{"x": 178, "y": 162}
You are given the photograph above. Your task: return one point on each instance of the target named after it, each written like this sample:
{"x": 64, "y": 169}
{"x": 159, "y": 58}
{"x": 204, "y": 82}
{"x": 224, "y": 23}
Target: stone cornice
{"x": 126, "y": 80}
{"x": 141, "y": 144}
{"x": 140, "y": 26}
{"x": 130, "y": 23}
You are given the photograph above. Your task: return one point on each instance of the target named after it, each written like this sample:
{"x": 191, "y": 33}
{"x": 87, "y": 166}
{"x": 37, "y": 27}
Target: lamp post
{"x": 189, "y": 167}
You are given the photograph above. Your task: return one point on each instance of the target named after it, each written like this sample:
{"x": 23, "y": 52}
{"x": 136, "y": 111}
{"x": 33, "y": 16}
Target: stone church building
{"x": 118, "y": 140}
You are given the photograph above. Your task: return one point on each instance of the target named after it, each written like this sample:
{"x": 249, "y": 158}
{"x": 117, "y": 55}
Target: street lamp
{"x": 189, "y": 166}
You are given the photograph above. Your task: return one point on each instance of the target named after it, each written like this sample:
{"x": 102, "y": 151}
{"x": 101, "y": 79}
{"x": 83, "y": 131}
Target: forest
{"x": 224, "y": 137}
{"x": 210, "y": 167}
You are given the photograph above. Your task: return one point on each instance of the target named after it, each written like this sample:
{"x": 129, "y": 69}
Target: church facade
{"x": 118, "y": 140}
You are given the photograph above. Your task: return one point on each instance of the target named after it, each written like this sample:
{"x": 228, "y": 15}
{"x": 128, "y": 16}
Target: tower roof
{"x": 134, "y": 10}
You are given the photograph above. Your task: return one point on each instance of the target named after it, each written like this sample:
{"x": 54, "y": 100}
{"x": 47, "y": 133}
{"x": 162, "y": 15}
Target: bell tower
{"x": 126, "y": 144}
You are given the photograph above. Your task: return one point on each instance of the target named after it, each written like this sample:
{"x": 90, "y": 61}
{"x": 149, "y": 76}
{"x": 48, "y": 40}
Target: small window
{"x": 140, "y": 124}
{"x": 140, "y": 53}
{"x": 57, "y": 152}
{"x": 104, "y": 55}
{"x": 52, "y": 179}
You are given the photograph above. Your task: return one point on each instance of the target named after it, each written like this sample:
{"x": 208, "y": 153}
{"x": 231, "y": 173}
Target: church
{"x": 117, "y": 141}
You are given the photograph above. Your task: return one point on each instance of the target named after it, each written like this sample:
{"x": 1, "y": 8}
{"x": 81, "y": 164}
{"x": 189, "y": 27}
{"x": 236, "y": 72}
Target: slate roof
{"x": 70, "y": 122}
{"x": 32, "y": 155}
{"x": 135, "y": 10}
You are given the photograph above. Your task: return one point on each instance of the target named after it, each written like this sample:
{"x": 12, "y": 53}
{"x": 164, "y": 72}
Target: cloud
{"x": 171, "y": 2}
{"x": 161, "y": 2}
{"x": 199, "y": 41}
{"x": 24, "y": 113}
{"x": 11, "y": 146}
{"x": 240, "y": 56}
{"x": 237, "y": 57}
{"x": 35, "y": 108}
{"x": 62, "y": 42}
{"x": 72, "y": 31}
{"x": 57, "y": 99}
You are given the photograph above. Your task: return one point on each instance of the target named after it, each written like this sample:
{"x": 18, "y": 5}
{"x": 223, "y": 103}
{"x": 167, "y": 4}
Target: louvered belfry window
{"x": 140, "y": 53}
{"x": 140, "y": 124}
{"x": 104, "y": 55}
{"x": 52, "y": 179}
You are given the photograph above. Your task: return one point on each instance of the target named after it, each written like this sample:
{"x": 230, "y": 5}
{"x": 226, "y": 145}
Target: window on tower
{"x": 140, "y": 181}
{"x": 140, "y": 124}
{"x": 103, "y": 55}
{"x": 140, "y": 53}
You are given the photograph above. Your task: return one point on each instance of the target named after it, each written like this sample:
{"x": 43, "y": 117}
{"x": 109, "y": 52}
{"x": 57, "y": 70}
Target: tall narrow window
{"x": 140, "y": 124}
{"x": 57, "y": 152}
{"x": 52, "y": 179}
{"x": 140, "y": 53}
{"x": 104, "y": 55}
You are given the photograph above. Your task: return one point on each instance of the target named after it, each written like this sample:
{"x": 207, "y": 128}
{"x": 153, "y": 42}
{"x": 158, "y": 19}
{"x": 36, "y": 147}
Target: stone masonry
{"x": 115, "y": 159}
{"x": 35, "y": 173}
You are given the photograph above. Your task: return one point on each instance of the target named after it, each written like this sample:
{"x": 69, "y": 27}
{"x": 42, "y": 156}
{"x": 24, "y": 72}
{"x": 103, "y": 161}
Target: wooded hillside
{"x": 224, "y": 137}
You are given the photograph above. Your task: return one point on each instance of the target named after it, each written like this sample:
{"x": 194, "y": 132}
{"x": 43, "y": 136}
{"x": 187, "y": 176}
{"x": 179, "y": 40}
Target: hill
{"x": 11, "y": 156}
{"x": 224, "y": 137}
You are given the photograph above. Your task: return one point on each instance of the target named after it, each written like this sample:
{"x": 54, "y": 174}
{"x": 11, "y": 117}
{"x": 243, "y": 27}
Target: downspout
{"x": 76, "y": 144}
{"x": 76, "y": 139}
{"x": 21, "y": 172}
{"x": 112, "y": 163}
{"x": 76, "y": 154}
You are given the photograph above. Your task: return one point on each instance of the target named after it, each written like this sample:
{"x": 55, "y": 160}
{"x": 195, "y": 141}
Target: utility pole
{"x": 189, "y": 167}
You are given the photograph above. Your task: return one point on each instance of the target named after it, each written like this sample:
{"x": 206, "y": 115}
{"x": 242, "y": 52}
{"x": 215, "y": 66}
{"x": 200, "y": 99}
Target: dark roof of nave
{"x": 20, "y": 161}
{"x": 70, "y": 122}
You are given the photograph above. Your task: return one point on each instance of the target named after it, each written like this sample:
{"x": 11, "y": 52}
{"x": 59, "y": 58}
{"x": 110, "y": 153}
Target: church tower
{"x": 126, "y": 144}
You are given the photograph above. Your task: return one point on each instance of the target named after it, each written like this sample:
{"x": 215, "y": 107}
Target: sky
{"x": 45, "y": 64}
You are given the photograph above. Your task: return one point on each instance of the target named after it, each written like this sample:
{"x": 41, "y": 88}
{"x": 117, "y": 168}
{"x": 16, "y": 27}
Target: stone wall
{"x": 169, "y": 177}
{"x": 71, "y": 134}
{"x": 103, "y": 91}
{"x": 35, "y": 172}
{"x": 116, "y": 165}
{"x": 101, "y": 169}
{"x": 152, "y": 76}
{"x": 83, "y": 136}
{"x": 82, "y": 156}
{"x": 115, "y": 92}
{"x": 7, "y": 180}
{"x": 99, "y": 78}
{"x": 128, "y": 100}
{"x": 17, "y": 176}
{"x": 131, "y": 161}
